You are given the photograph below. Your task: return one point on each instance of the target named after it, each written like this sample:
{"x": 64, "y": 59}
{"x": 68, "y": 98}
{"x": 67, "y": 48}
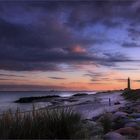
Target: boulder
{"x": 137, "y": 108}
{"x": 117, "y": 103}
{"x": 137, "y": 120}
{"x": 113, "y": 136}
{"x": 127, "y": 131}
{"x": 135, "y": 115}
{"x": 120, "y": 122}
{"x": 120, "y": 119}
{"x": 95, "y": 118}
{"x": 119, "y": 115}
{"x": 132, "y": 124}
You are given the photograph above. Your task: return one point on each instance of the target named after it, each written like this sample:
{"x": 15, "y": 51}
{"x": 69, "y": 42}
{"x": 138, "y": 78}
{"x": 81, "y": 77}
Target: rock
{"x": 137, "y": 108}
{"x": 117, "y": 103}
{"x": 95, "y": 118}
{"x": 113, "y": 136}
{"x": 119, "y": 114}
{"x": 120, "y": 119}
{"x": 127, "y": 131}
{"x": 120, "y": 122}
{"x": 135, "y": 115}
{"x": 137, "y": 120}
{"x": 132, "y": 124}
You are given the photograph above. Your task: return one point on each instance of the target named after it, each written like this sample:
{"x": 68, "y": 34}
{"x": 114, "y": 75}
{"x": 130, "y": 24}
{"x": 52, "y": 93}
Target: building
{"x": 128, "y": 84}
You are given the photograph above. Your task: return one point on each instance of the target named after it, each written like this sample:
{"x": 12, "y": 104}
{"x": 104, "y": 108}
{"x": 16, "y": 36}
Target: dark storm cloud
{"x": 109, "y": 13}
{"x": 28, "y": 66}
{"x": 26, "y": 49}
{"x": 130, "y": 44}
{"x": 41, "y": 35}
{"x": 134, "y": 33}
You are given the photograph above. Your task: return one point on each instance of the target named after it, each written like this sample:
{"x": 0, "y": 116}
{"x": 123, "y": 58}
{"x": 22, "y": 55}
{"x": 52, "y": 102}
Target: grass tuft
{"x": 43, "y": 124}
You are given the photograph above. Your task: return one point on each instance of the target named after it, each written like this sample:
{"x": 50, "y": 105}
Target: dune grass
{"x": 43, "y": 124}
{"x": 106, "y": 122}
{"x": 132, "y": 94}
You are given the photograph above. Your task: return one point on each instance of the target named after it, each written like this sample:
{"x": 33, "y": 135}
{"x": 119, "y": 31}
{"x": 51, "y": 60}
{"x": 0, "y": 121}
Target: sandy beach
{"x": 94, "y": 105}
{"x": 88, "y": 105}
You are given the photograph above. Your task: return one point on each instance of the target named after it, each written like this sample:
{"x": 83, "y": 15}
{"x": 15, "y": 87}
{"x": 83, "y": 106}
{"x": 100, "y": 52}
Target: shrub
{"x": 106, "y": 122}
{"x": 42, "y": 124}
{"x": 132, "y": 94}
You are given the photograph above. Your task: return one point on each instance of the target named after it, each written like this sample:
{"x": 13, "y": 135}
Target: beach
{"x": 87, "y": 104}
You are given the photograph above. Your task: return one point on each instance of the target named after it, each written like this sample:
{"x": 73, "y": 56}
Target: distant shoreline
{"x": 98, "y": 91}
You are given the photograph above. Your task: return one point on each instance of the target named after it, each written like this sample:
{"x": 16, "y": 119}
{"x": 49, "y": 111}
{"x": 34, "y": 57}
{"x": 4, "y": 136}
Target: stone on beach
{"x": 132, "y": 124}
{"x": 127, "y": 131}
{"x": 113, "y": 136}
{"x": 135, "y": 115}
{"x": 120, "y": 114}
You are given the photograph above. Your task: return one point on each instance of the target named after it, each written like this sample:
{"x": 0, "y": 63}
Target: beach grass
{"x": 132, "y": 94}
{"x": 61, "y": 123}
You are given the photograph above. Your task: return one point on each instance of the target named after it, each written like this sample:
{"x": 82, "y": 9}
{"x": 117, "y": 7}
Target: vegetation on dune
{"x": 132, "y": 94}
{"x": 42, "y": 124}
{"x": 106, "y": 122}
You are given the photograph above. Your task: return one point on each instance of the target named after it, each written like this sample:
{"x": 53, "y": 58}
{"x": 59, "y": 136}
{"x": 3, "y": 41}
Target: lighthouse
{"x": 128, "y": 84}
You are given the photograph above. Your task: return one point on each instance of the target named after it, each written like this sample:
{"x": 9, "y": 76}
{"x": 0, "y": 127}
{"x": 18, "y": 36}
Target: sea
{"x": 7, "y": 99}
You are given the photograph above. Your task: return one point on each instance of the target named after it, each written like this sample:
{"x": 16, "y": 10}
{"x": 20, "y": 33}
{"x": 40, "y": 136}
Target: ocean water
{"x": 7, "y": 99}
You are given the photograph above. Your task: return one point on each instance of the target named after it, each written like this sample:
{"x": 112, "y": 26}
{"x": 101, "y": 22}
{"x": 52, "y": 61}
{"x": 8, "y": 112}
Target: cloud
{"x": 121, "y": 80}
{"x": 45, "y": 49}
{"x": 101, "y": 83}
{"x": 98, "y": 77}
{"x": 77, "y": 49}
{"x": 93, "y": 74}
{"x": 57, "y": 78}
{"x": 13, "y": 79}
{"x": 134, "y": 33}
{"x": 109, "y": 13}
{"x": 42, "y": 36}
{"x": 126, "y": 69}
{"x": 11, "y": 75}
{"x": 3, "y": 79}
{"x": 30, "y": 87}
{"x": 136, "y": 80}
{"x": 130, "y": 44}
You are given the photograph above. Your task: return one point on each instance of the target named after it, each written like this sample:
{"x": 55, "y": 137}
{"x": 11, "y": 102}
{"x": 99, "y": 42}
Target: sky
{"x": 69, "y": 45}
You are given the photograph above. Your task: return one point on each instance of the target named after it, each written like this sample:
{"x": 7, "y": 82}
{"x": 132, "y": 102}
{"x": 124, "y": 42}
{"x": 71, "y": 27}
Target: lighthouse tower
{"x": 128, "y": 84}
